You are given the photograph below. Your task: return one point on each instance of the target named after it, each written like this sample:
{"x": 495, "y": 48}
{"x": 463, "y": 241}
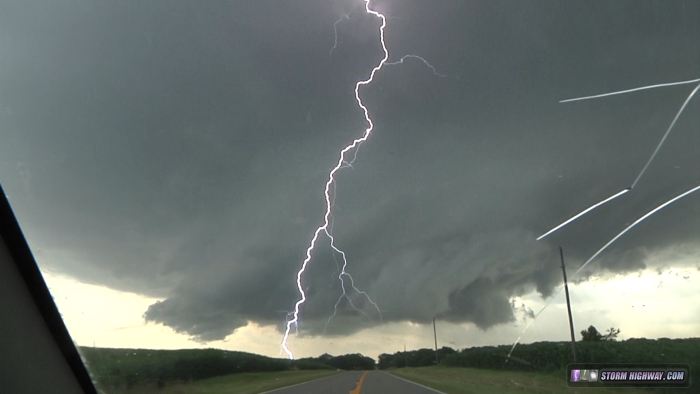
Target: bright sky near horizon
{"x": 167, "y": 159}
{"x": 643, "y": 305}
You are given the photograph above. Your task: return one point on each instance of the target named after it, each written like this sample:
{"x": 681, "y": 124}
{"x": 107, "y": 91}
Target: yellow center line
{"x": 360, "y": 382}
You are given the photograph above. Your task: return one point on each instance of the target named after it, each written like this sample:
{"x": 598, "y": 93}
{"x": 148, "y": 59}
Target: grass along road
{"x": 239, "y": 383}
{"x": 471, "y": 380}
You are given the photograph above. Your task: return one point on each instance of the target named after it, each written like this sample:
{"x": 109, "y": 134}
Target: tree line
{"x": 413, "y": 358}
{"x": 354, "y": 361}
{"x": 553, "y": 356}
{"x": 124, "y": 368}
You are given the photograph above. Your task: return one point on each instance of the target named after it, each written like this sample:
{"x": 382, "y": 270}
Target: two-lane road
{"x": 357, "y": 382}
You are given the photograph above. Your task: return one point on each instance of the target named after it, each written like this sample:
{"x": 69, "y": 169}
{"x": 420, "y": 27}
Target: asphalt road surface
{"x": 357, "y": 382}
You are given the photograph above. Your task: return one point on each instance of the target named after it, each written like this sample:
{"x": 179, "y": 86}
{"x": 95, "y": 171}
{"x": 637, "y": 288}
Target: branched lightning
{"x": 420, "y": 58}
{"x": 326, "y": 228}
{"x": 653, "y": 154}
{"x": 335, "y": 32}
{"x": 342, "y": 274}
{"x": 597, "y": 253}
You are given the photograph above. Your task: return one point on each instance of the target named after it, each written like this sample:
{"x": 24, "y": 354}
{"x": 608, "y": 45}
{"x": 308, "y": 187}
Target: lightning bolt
{"x": 325, "y": 229}
{"x": 421, "y": 59}
{"x": 653, "y": 154}
{"x": 335, "y": 32}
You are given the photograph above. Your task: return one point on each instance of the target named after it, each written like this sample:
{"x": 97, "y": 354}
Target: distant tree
{"x": 611, "y": 334}
{"x": 388, "y": 361}
{"x": 445, "y": 351}
{"x": 352, "y": 361}
{"x": 413, "y": 358}
{"x": 591, "y": 334}
{"x": 325, "y": 357}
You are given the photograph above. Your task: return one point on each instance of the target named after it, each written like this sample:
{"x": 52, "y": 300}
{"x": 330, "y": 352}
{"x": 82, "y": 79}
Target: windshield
{"x": 308, "y": 178}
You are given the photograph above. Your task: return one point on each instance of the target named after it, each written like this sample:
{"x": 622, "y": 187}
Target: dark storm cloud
{"x": 180, "y": 149}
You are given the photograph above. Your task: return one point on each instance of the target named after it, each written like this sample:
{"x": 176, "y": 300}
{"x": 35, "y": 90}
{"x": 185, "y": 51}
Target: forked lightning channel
{"x": 325, "y": 229}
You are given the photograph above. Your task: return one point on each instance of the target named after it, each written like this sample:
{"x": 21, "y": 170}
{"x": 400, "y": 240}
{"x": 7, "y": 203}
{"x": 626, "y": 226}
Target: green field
{"x": 471, "y": 380}
{"x": 538, "y": 368}
{"x": 240, "y": 383}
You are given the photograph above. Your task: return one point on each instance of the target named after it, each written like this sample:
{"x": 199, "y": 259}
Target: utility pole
{"x": 437, "y": 358}
{"x": 404, "y": 355}
{"x": 568, "y": 304}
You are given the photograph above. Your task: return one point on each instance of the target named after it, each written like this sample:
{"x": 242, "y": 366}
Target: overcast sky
{"x": 178, "y": 151}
